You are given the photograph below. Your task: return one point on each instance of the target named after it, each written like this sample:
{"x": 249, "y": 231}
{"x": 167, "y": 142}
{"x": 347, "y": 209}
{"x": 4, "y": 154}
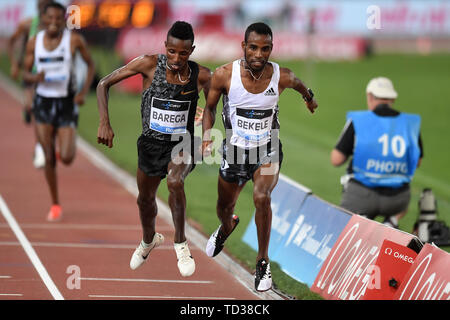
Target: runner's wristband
{"x": 311, "y": 96}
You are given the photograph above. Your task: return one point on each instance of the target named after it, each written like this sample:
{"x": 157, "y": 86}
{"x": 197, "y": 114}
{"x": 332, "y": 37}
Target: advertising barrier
{"x": 287, "y": 197}
{"x": 223, "y": 46}
{"x": 389, "y": 271}
{"x": 304, "y": 229}
{"x": 344, "y": 274}
{"x": 314, "y": 229}
{"x": 342, "y": 256}
{"x": 428, "y": 278}
{"x": 220, "y": 45}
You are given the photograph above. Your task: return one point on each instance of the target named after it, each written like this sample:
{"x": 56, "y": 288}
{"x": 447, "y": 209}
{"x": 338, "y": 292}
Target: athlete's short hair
{"x": 259, "y": 28}
{"x": 181, "y": 30}
{"x": 56, "y": 5}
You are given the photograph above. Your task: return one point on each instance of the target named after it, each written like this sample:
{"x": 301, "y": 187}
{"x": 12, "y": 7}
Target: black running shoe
{"x": 217, "y": 240}
{"x": 263, "y": 277}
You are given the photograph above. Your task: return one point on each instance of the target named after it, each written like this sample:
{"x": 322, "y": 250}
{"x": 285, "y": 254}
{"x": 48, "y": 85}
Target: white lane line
{"x": 85, "y": 245}
{"x": 11, "y": 294}
{"x": 84, "y": 226}
{"x": 5, "y": 277}
{"x": 159, "y": 297}
{"x": 150, "y": 280}
{"x": 30, "y": 251}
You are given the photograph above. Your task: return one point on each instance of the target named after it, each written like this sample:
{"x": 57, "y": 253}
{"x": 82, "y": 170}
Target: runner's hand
{"x": 311, "y": 105}
{"x": 199, "y": 116}
{"x": 206, "y": 148}
{"x": 105, "y": 134}
{"x": 27, "y": 115}
{"x": 79, "y": 99}
{"x": 40, "y": 77}
{"x": 14, "y": 71}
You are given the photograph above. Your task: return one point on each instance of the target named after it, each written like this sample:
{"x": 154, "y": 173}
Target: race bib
{"x": 54, "y": 68}
{"x": 169, "y": 116}
{"x": 253, "y": 125}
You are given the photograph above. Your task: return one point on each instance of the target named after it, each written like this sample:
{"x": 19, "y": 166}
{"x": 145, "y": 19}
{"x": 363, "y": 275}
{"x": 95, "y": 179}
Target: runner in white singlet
{"x": 55, "y": 105}
{"x": 252, "y": 150}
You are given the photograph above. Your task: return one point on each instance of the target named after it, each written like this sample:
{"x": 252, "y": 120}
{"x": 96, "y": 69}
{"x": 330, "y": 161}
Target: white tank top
{"x": 56, "y": 64}
{"x": 251, "y": 116}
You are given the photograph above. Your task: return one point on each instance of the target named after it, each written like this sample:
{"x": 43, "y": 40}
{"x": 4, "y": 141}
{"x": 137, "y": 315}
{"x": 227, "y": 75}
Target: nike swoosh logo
{"x": 187, "y": 92}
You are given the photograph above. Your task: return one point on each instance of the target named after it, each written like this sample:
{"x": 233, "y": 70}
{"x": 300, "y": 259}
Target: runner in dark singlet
{"x": 169, "y": 100}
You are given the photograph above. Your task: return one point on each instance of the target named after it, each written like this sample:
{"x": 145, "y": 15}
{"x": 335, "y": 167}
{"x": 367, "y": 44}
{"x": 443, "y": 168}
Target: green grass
{"x": 422, "y": 83}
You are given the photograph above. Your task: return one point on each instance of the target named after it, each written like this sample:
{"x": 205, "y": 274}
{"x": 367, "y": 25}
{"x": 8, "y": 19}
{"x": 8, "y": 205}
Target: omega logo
{"x": 398, "y": 255}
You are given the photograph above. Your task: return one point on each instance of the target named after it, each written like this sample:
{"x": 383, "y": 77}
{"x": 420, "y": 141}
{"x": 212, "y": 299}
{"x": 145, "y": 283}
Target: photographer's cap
{"x": 381, "y": 88}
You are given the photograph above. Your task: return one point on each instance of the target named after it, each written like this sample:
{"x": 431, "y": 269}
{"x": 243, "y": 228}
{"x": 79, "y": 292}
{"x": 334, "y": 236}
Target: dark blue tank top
{"x": 168, "y": 110}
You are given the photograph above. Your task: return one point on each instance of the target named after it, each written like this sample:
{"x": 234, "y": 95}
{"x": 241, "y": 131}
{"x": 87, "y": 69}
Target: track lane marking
{"x": 86, "y": 245}
{"x": 150, "y": 280}
{"x": 29, "y": 251}
{"x": 158, "y": 297}
{"x": 84, "y": 226}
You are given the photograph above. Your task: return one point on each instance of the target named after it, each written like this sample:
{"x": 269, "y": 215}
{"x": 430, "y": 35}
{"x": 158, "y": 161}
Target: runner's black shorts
{"x": 59, "y": 112}
{"x": 240, "y": 165}
{"x": 155, "y": 155}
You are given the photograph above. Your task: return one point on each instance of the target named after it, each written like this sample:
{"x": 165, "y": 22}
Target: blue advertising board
{"x": 315, "y": 227}
{"x": 304, "y": 229}
{"x": 287, "y": 197}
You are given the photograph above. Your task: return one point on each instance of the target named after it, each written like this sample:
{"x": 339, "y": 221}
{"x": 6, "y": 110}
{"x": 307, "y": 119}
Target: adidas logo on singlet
{"x": 270, "y": 92}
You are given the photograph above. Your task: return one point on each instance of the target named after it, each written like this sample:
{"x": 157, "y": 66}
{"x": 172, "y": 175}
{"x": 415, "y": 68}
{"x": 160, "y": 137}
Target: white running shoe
{"x": 39, "y": 156}
{"x": 186, "y": 263}
{"x": 140, "y": 255}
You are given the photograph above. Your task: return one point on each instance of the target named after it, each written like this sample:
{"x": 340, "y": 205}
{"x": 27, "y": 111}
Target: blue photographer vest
{"x": 386, "y": 150}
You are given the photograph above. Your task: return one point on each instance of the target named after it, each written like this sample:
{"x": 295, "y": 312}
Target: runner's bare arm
{"x": 204, "y": 82}
{"x": 28, "y": 76}
{"x": 289, "y": 80}
{"x": 143, "y": 65}
{"x": 22, "y": 31}
{"x": 219, "y": 81}
{"x": 79, "y": 44}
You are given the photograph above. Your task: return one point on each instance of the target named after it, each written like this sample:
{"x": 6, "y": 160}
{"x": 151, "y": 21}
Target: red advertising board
{"x": 388, "y": 272}
{"x": 345, "y": 273}
{"x": 428, "y": 278}
{"x": 220, "y": 46}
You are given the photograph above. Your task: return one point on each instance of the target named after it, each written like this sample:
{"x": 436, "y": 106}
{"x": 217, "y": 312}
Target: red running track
{"x": 86, "y": 255}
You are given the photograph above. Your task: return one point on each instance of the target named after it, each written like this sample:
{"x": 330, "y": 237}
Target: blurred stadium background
{"x": 333, "y": 46}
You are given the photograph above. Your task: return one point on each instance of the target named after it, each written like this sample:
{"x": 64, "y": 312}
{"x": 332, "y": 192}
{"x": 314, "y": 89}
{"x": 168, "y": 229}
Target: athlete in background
{"x": 26, "y": 30}
{"x": 55, "y": 106}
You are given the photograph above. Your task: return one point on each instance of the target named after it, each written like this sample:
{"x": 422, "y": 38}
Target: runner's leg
{"x": 67, "y": 144}
{"x": 146, "y": 201}
{"x": 228, "y": 194}
{"x": 177, "y": 172}
{"x": 262, "y": 189}
{"x": 46, "y": 137}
